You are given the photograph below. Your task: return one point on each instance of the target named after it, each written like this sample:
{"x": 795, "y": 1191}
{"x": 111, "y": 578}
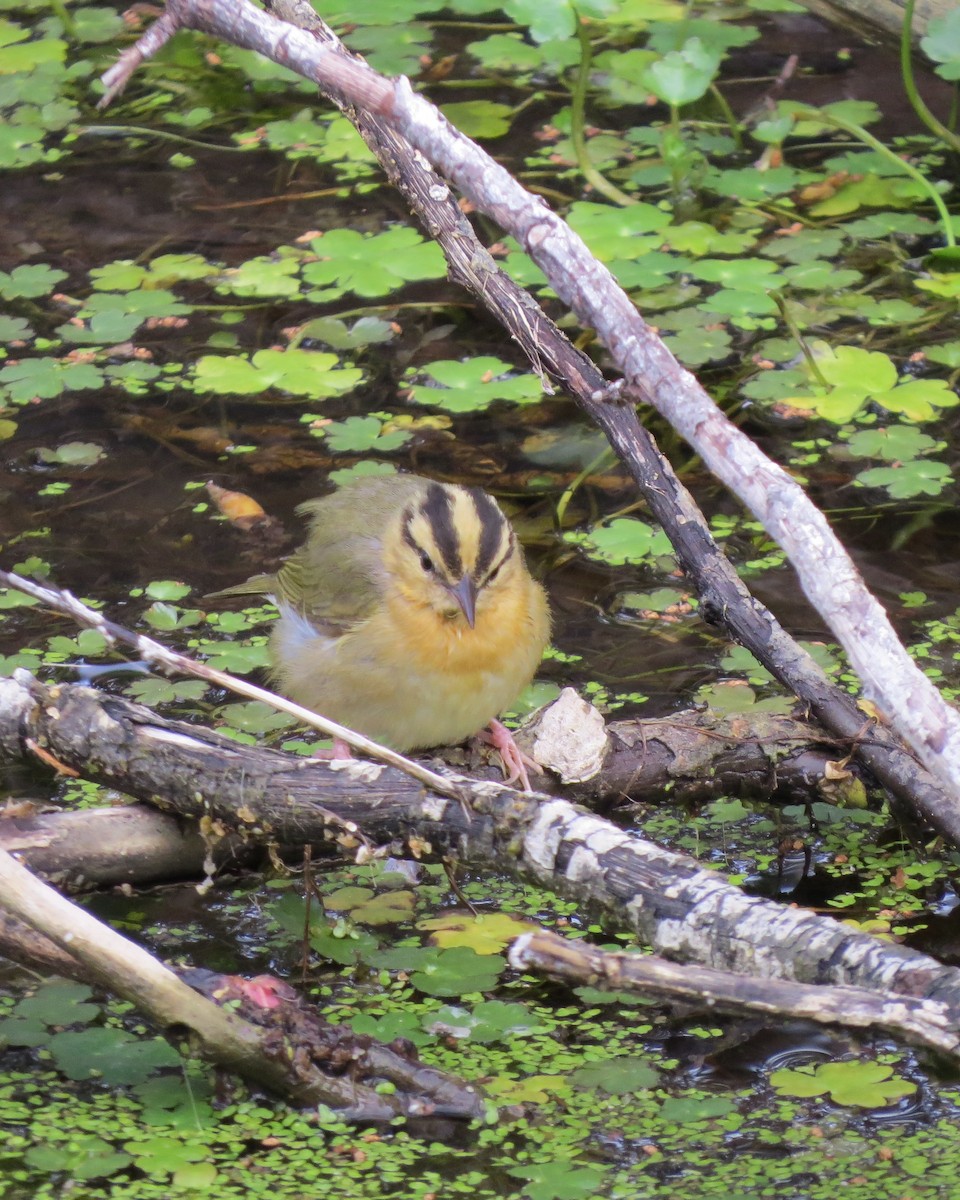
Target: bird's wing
{"x": 337, "y": 579}
{"x": 257, "y": 585}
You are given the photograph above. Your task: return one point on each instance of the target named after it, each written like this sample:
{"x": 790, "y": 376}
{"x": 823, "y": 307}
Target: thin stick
{"x": 457, "y": 787}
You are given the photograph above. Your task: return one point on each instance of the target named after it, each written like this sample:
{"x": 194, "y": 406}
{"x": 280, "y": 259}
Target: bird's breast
{"x": 410, "y": 677}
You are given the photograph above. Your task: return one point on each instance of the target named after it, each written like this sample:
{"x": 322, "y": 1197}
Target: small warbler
{"x": 409, "y": 615}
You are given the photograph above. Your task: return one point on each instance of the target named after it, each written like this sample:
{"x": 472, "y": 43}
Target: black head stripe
{"x": 493, "y": 528}
{"x": 510, "y": 547}
{"x": 437, "y": 509}
{"x": 407, "y": 534}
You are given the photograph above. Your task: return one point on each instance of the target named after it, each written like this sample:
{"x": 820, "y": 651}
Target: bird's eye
{"x": 426, "y": 562}
{"x": 493, "y": 574}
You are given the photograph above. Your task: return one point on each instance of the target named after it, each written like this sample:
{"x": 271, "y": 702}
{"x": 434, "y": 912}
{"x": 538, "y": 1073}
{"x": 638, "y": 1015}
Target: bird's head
{"x": 452, "y": 551}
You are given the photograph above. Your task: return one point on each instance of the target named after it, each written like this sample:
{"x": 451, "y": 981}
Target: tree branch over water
{"x": 399, "y": 123}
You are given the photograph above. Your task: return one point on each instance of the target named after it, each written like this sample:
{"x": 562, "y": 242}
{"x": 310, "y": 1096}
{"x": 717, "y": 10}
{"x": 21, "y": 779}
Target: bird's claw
{"x": 513, "y": 761}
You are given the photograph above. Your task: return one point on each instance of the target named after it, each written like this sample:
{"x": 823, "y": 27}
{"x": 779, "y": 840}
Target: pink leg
{"x": 340, "y": 751}
{"x": 513, "y": 761}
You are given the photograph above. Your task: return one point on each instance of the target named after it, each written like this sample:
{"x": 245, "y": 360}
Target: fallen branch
{"x": 669, "y": 901}
{"x": 123, "y": 844}
{"x": 697, "y": 756}
{"x": 219, "y": 1035}
{"x": 575, "y": 963}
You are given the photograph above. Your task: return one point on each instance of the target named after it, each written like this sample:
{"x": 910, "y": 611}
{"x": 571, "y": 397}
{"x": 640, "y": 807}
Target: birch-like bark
{"x": 673, "y": 904}
{"x": 576, "y": 963}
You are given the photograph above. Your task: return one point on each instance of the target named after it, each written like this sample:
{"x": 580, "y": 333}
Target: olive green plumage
{"x": 409, "y": 614}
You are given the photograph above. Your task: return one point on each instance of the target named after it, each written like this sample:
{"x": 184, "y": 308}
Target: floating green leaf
{"x": 356, "y": 435}
{"x": 371, "y": 264}
{"x": 623, "y": 540}
{"x": 619, "y": 233}
{"x": 458, "y": 972}
{"x": 480, "y": 118}
{"x": 85, "y": 1157}
{"x": 489, "y": 1021}
{"x": 474, "y": 384}
{"x": 560, "y": 1181}
{"x": 683, "y": 75}
{"x": 486, "y": 933}
{"x": 918, "y": 477}
{"x": 942, "y": 43}
{"x": 43, "y": 378}
{"x": 72, "y": 454}
{"x": 860, "y": 1084}
{"x": 367, "y": 331}
{"x": 892, "y": 443}
{"x": 617, "y": 1076}
{"x": 266, "y": 276}
{"x": 300, "y": 372}
{"x": 684, "y": 1109}
{"x": 372, "y": 908}
{"x": 110, "y": 1054}
{"x": 29, "y": 281}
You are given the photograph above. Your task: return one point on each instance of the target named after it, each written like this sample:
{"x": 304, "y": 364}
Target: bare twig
{"x": 169, "y": 661}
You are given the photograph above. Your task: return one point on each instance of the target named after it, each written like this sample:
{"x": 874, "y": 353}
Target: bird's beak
{"x": 465, "y": 594}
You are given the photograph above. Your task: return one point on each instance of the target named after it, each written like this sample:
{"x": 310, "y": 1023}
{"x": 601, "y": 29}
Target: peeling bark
{"x": 925, "y": 1022}
{"x": 672, "y": 903}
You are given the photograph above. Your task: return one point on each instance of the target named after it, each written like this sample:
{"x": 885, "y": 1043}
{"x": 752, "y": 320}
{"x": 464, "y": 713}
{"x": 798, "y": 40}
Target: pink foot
{"x": 513, "y": 761}
{"x": 340, "y": 751}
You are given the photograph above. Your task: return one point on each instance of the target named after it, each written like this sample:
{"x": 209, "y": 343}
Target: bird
{"x": 409, "y": 615}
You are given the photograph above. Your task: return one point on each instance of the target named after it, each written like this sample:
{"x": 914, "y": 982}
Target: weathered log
{"x": 669, "y": 901}
{"x": 885, "y": 15}
{"x": 116, "y": 845}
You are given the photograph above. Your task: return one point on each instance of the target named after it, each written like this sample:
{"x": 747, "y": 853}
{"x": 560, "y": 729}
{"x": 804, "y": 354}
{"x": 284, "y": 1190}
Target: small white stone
{"x": 570, "y": 738}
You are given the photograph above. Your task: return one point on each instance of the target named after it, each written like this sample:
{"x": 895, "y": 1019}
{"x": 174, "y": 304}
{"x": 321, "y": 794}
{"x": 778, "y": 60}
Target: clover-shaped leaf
{"x": 458, "y": 971}
{"x": 894, "y": 443}
{"x": 682, "y": 76}
{"x": 486, "y": 933}
{"x": 942, "y": 43}
{"x": 918, "y": 477}
{"x": 43, "y": 378}
{"x": 266, "y": 276}
{"x": 623, "y": 540}
{"x": 868, "y": 370}
{"x": 480, "y": 118}
{"x": 617, "y": 1076}
{"x": 560, "y": 1180}
{"x": 299, "y": 372}
{"x": 858, "y": 1084}
{"x": 371, "y": 264}
{"x": 473, "y": 385}
{"x": 358, "y": 434}
{"x": 489, "y": 1021}
{"x": 29, "y": 281}
{"x": 618, "y": 233}
{"x": 918, "y": 399}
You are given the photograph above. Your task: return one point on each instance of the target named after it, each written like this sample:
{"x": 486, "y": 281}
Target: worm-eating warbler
{"x": 409, "y": 615}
